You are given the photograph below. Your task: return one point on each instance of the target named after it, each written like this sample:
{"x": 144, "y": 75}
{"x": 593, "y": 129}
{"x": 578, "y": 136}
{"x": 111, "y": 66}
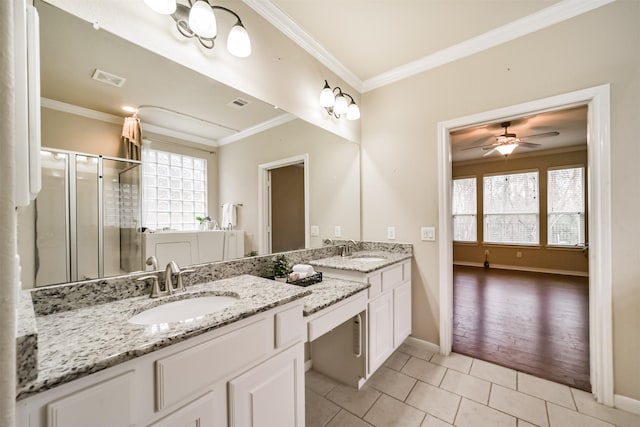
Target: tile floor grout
{"x": 492, "y": 372}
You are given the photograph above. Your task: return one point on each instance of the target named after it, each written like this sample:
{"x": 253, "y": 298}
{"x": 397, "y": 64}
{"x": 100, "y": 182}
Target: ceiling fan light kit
{"x": 198, "y": 20}
{"x": 336, "y": 103}
{"x": 506, "y": 143}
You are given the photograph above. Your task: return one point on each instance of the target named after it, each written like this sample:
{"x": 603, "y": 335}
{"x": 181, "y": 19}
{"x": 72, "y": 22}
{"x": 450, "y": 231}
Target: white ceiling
{"x": 71, "y": 50}
{"x": 373, "y": 36}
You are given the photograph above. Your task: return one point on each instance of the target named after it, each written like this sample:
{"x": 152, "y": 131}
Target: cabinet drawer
{"x": 375, "y": 280}
{"x": 391, "y": 277}
{"x": 180, "y": 375}
{"x": 108, "y": 403}
{"x": 289, "y": 327}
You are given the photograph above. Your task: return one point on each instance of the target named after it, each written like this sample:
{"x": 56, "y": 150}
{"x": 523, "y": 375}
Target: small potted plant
{"x": 204, "y": 222}
{"x": 280, "y": 267}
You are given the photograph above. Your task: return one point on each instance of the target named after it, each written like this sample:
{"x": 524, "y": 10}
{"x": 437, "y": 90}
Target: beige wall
{"x": 334, "y": 177}
{"x": 399, "y": 145}
{"x": 536, "y": 257}
{"x": 71, "y": 132}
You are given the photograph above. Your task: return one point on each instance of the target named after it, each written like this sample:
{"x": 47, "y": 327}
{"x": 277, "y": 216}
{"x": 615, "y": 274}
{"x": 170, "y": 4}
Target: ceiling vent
{"x": 238, "y": 103}
{"x": 108, "y": 78}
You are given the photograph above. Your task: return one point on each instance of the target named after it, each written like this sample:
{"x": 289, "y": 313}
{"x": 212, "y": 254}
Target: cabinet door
{"x": 199, "y": 413}
{"x": 380, "y": 330}
{"x": 271, "y": 394}
{"x": 401, "y": 313}
{"x": 108, "y": 403}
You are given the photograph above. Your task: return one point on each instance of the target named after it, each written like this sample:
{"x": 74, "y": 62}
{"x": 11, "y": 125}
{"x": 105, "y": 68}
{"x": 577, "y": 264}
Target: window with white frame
{"x": 511, "y": 208}
{"x": 565, "y": 206}
{"x": 174, "y": 190}
{"x": 464, "y": 209}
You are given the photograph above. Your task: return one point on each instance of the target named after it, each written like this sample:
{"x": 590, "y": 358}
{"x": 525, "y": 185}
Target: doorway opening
{"x": 599, "y": 222}
{"x": 284, "y": 204}
{"x": 520, "y": 264}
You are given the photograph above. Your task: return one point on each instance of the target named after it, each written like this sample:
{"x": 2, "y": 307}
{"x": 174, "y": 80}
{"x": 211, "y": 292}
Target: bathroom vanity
{"x": 240, "y": 366}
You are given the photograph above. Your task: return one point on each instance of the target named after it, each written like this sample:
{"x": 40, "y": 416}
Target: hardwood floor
{"x": 532, "y": 322}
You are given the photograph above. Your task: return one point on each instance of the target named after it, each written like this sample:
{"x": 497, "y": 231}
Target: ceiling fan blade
{"x": 542, "y": 135}
{"x": 489, "y": 152}
{"x": 529, "y": 144}
{"x": 478, "y": 146}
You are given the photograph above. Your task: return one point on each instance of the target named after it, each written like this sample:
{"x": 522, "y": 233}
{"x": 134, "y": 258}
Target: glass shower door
{"x": 52, "y": 245}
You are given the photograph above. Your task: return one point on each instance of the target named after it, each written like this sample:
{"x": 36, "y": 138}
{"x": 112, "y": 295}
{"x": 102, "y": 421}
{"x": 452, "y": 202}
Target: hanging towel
{"x": 131, "y": 136}
{"x": 229, "y": 215}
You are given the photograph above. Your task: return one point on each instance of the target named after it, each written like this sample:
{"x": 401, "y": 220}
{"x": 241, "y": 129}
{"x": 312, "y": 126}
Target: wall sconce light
{"x": 198, "y": 20}
{"x": 335, "y": 102}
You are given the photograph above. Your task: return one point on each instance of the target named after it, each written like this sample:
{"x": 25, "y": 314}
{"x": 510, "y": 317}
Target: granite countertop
{"x": 75, "y": 343}
{"x": 329, "y": 292}
{"x": 348, "y": 263}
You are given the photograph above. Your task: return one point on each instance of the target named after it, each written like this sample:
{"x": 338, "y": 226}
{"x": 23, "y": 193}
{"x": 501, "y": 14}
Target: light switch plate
{"x": 315, "y": 231}
{"x": 428, "y": 233}
{"x": 391, "y": 233}
{"x": 337, "y": 231}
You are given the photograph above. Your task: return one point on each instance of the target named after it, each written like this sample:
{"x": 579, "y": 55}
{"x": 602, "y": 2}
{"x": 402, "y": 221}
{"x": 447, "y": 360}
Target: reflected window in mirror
{"x": 174, "y": 190}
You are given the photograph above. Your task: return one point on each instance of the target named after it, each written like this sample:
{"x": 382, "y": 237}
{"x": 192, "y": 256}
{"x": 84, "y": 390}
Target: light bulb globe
{"x": 327, "y": 99}
{"x": 238, "y": 42}
{"x": 202, "y": 21}
{"x": 353, "y": 112}
{"x": 341, "y": 106}
{"x": 506, "y": 149}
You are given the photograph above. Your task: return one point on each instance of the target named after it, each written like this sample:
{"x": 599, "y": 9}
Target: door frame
{"x": 264, "y": 211}
{"x": 597, "y": 99}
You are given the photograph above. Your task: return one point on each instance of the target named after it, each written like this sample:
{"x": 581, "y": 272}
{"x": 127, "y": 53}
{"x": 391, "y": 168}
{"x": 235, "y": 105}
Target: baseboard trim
{"x": 529, "y": 269}
{"x": 308, "y": 365}
{"x": 426, "y": 345}
{"x": 626, "y": 404}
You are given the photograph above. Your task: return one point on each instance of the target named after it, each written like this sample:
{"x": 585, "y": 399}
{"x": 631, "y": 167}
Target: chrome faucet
{"x": 346, "y": 249}
{"x": 171, "y": 270}
{"x": 153, "y": 262}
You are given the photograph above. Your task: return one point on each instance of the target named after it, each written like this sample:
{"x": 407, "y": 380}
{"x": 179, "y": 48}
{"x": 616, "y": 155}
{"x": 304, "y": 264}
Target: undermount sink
{"x": 183, "y": 310}
{"x": 368, "y": 259}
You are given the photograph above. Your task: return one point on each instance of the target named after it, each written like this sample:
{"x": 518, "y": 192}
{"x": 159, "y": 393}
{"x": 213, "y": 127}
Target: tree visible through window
{"x": 565, "y": 207}
{"x": 464, "y": 209}
{"x": 511, "y": 208}
{"x": 174, "y": 190}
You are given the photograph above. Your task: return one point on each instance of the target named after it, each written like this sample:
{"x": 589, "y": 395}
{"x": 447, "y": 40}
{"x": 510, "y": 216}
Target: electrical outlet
{"x": 428, "y": 233}
{"x": 391, "y": 233}
{"x": 315, "y": 231}
{"x": 337, "y": 231}
{"x": 518, "y": 254}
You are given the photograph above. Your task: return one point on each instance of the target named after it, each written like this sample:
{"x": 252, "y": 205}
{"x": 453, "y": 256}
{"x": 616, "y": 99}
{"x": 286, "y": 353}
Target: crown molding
{"x": 260, "y": 127}
{"x": 559, "y": 12}
{"x": 52, "y": 104}
{"x": 274, "y": 15}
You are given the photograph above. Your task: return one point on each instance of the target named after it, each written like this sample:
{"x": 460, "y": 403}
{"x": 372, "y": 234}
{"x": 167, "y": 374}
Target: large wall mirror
{"x": 279, "y": 182}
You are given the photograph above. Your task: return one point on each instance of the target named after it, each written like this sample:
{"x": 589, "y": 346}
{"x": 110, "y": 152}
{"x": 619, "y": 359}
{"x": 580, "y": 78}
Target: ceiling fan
{"x": 507, "y": 142}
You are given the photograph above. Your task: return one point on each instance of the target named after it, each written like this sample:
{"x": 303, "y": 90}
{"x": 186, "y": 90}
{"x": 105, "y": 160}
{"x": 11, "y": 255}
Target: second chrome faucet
{"x": 172, "y": 270}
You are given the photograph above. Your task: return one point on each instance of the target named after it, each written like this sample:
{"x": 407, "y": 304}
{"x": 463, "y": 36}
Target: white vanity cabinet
{"x": 248, "y": 373}
{"x": 388, "y": 308}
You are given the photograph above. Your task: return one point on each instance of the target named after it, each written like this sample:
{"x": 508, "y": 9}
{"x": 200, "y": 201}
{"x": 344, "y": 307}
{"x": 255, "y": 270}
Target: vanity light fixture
{"x": 198, "y": 20}
{"x": 336, "y": 103}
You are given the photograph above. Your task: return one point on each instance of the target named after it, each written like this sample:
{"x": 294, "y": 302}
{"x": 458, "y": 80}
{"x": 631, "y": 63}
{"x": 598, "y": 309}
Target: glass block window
{"x": 511, "y": 208}
{"x": 464, "y": 209}
{"x": 174, "y": 190}
{"x": 565, "y": 207}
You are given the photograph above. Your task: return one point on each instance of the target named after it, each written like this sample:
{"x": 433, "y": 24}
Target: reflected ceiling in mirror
{"x": 167, "y": 94}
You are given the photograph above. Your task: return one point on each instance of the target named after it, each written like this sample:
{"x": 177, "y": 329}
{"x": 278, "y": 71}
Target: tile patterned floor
{"x": 421, "y": 389}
